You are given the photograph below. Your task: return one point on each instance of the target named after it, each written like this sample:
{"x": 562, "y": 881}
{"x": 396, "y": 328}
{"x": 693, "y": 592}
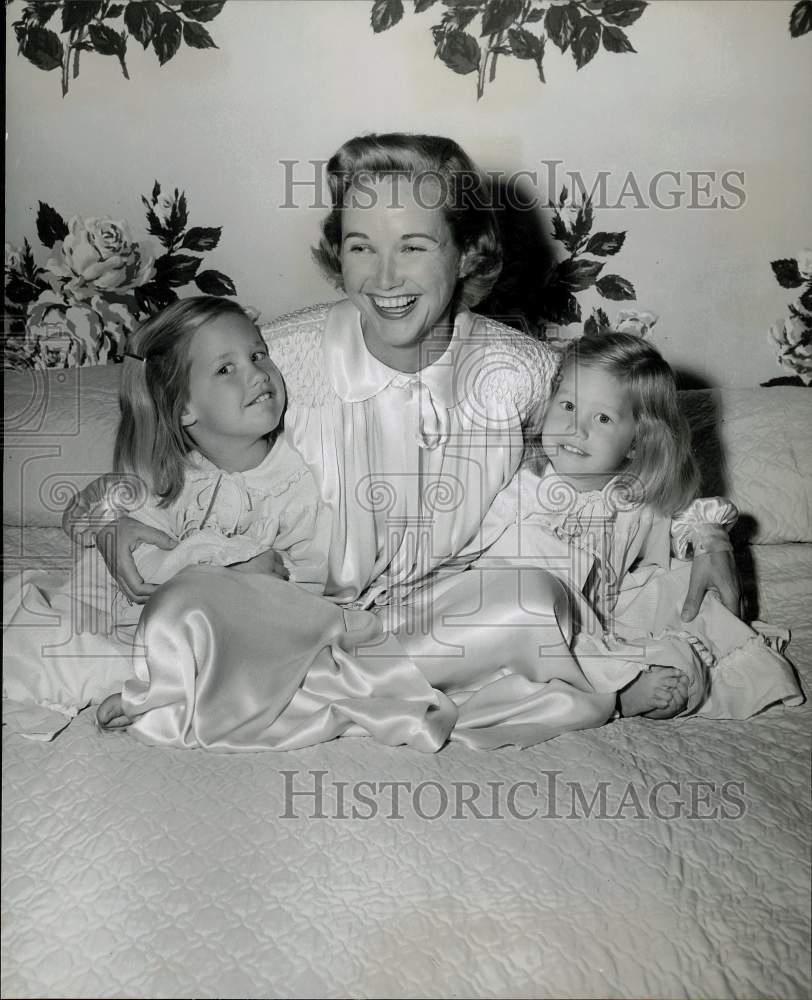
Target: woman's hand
{"x": 712, "y": 571}
{"x": 267, "y": 563}
{"x": 116, "y": 542}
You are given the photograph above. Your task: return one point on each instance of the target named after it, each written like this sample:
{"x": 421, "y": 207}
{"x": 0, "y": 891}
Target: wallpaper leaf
{"x": 42, "y": 47}
{"x": 460, "y": 52}
{"x": 51, "y": 227}
{"x": 79, "y": 14}
{"x": 586, "y": 40}
{"x": 517, "y": 29}
{"x": 203, "y": 10}
{"x": 385, "y": 13}
{"x": 499, "y": 15}
{"x": 90, "y": 26}
{"x": 201, "y": 239}
{"x": 616, "y": 40}
{"x": 604, "y": 244}
{"x": 215, "y": 283}
{"x": 196, "y": 36}
{"x": 141, "y": 20}
{"x": 787, "y": 273}
{"x": 166, "y": 40}
{"x": 800, "y": 20}
{"x": 612, "y": 286}
{"x": 623, "y": 12}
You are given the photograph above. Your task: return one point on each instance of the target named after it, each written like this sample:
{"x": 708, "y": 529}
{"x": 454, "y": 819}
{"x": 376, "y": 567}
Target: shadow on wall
{"x": 518, "y": 297}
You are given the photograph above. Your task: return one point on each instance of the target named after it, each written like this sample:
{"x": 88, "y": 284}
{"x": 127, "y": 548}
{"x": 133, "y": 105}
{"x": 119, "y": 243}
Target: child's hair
{"x": 662, "y": 466}
{"x": 151, "y": 442}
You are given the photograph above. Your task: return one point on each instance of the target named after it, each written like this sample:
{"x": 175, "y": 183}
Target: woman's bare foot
{"x": 656, "y": 693}
{"x": 110, "y": 714}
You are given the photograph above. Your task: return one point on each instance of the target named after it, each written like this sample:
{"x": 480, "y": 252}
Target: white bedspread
{"x": 140, "y": 872}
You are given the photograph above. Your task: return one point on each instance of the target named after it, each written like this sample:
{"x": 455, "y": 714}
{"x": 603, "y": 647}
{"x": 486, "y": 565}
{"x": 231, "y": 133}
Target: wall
{"x": 715, "y": 86}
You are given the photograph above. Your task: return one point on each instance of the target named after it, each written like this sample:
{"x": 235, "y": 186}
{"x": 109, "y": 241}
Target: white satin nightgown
{"x": 407, "y": 465}
{"x": 68, "y": 645}
{"x": 613, "y": 555}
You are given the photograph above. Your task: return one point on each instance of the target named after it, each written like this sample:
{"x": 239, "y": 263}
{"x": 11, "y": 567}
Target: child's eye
{"x": 604, "y": 418}
{"x": 567, "y": 405}
{"x": 225, "y": 369}
{"x": 260, "y": 355}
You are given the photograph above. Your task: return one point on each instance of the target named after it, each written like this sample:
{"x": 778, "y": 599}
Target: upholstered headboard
{"x": 753, "y": 445}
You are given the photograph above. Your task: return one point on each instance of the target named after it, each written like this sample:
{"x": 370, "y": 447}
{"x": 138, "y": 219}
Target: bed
{"x": 640, "y": 859}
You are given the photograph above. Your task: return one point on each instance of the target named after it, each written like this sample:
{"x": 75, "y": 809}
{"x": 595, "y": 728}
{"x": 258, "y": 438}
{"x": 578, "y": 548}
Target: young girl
{"x": 602, "y": 517}
{"x": 199, "y": 443}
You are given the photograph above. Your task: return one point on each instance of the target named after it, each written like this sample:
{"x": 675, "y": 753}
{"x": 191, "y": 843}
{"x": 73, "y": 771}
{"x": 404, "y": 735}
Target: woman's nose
{"x": 387, "y": 276}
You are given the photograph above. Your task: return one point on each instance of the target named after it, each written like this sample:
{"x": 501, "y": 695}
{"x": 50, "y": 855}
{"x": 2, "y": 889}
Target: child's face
{"x": 236, "y": 394}
{"x": 589, "y": 428}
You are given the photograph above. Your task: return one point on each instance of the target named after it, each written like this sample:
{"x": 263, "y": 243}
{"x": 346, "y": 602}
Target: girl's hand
{"x": 267, "y": 563}
{"x": 116, "y": 542}
{"x": 712, "y": 571}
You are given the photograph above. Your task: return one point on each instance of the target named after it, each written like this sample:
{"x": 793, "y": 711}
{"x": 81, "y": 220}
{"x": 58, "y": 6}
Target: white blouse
{"x": 407, "y": 463}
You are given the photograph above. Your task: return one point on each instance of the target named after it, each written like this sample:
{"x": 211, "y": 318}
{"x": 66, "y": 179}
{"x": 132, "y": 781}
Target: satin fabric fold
{"x": 233, "y": 663}
{"x": 408, "y": 465}
{"x": 254, "y": 663}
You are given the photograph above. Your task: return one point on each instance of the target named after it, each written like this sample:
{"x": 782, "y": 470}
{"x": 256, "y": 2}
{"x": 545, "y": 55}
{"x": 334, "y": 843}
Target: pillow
{"x": 59, "y": 428}
{"x": 755, "y": 447}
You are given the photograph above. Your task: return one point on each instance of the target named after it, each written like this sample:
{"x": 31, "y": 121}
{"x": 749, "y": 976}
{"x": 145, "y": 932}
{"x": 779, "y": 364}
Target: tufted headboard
{"x": 753, "y": 445}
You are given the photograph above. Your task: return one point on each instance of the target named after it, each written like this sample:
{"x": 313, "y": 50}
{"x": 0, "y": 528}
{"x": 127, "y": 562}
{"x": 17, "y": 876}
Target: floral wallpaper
{"x": 81, "y": 305}
{"x": 54, "y": 35}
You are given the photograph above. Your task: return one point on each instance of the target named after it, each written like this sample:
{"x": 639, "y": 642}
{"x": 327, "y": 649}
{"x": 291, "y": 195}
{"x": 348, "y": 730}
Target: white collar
{"x": 357, "y": 375}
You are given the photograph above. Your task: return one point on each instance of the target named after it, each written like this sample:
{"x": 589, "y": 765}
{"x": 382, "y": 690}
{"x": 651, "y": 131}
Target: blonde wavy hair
{"x": 662, "y": 469}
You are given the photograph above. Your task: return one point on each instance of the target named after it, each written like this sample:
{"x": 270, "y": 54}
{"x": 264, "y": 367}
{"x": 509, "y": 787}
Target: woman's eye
{"x": 260, "y": 355}
{"x": 357, "y": 248}
{"x": 567, "y": 405}
{"x": 410, "y": 248}
{"x": 225, "y": 369}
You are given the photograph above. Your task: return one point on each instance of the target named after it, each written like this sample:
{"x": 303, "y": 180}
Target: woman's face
{"x": 400, "y": 267}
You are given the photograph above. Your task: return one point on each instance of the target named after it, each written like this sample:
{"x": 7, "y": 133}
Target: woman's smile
{"x": 394, "y": 306}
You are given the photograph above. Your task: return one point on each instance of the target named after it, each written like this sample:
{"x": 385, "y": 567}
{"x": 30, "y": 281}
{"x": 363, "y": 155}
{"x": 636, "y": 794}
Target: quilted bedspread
{"x": 641, "y": 859}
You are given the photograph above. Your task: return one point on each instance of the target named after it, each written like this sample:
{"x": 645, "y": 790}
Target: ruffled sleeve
{"x": 703, "y": 527}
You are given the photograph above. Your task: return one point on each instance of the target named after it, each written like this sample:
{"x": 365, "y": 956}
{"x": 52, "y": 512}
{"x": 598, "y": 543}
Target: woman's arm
{"x": 94, "y": 517}
{"x": 703, "y": 528}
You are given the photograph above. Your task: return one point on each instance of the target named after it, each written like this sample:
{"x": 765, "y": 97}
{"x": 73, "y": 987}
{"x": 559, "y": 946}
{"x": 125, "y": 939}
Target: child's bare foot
{"x": 677, "y": 701}
{"x": 656, "y": 693}
{"x": 110, "y": 714}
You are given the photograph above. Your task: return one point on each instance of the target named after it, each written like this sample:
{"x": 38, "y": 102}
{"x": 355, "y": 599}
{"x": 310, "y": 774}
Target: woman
{"x": 410, "y": 410}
